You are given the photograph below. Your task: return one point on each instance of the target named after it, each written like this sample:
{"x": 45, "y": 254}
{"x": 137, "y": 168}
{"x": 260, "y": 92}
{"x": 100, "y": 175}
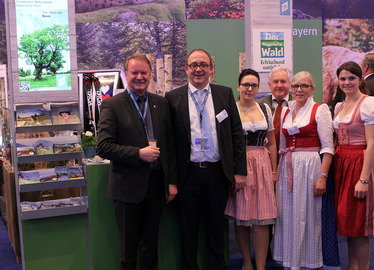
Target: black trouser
{"x": 138, "y": 225}
{"x": 205, "y": 192}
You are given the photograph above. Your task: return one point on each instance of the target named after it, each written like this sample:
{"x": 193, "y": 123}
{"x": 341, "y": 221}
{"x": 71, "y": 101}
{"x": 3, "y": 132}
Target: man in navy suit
{"x": 210, "y": 157}
{"x": 135, "y": 134}
{"x": 368, "y": 71}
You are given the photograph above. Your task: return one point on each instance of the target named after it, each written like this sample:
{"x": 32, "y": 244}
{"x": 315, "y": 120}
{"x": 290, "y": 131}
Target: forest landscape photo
{"x": 106, "y": 35}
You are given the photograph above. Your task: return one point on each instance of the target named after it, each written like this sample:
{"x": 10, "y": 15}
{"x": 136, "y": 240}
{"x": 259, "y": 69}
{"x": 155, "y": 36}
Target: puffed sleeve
{"x": 337, "y": 106}
{"x": 367, "y": 111}
{"x": 270, "y": 117}
{"x": 324, "y": 129}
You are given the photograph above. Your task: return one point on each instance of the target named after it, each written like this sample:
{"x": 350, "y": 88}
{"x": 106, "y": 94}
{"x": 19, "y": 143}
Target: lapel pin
{"x": 154, "y": 106}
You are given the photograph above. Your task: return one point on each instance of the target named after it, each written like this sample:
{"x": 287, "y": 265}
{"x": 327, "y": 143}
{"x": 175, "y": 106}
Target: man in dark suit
{"x": 135, "y": 134}
{"x": 210, "y": 156}
{"x": 368, "y": 71}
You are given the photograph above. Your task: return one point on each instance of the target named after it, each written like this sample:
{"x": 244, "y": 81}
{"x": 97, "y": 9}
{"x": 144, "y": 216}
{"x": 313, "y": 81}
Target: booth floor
{"x": 8, "y": 259}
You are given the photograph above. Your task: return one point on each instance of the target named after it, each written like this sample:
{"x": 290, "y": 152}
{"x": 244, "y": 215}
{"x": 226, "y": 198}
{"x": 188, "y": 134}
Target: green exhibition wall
{"x": 223, "y": 39}
{"x": 307, "y": 44}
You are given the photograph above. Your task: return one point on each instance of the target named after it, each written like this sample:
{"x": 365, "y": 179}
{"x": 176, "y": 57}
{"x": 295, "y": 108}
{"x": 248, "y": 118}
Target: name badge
{"x": 222, "y": 116}
{"x": 201, "y": 144}
{"x": 293, "y": 130}
{"x": 335, "y": 124}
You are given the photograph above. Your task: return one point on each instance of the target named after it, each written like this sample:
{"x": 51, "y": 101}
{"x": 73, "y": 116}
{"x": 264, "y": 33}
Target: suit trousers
{"x": 204, "y": 192}
{"x": 138, "y": 225}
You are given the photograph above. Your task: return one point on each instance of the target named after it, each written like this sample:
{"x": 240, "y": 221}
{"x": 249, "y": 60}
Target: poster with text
{"x": 43, "y": 45}
{"x": 271, "y": 48}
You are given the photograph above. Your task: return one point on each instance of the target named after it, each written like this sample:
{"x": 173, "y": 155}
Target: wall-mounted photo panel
{"x": 43, "y": 50}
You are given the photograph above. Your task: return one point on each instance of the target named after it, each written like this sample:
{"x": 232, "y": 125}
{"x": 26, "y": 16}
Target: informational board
{"x": 43, "y": 45}
{"x": 42, "y": 50}
{"x": 271, "y": 48}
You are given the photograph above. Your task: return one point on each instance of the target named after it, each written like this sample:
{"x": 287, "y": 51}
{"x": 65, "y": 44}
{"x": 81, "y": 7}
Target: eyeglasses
{"x": 302, "y": 86}
{"x": 194, "y": 66}
{"x": 247, "y": 85}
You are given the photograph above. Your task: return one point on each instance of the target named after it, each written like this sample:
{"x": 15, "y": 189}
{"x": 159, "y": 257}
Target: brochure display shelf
{"x": 75, "y": 157}
{"x": 45, "y": 109}
{"x": 63, "y": 211}
{"x": 49, "y": 157}
{"x": 52, "y": 185}
{"x": 48, "y": 128}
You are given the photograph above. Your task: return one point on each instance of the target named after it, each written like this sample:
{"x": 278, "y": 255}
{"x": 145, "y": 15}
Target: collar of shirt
{"x": 285, "y": 98}
{"x": 309, "y": 103}
{"x": 368, "y": 75}
{"x": 136, "y": 96}
{"x": 194, "y": 89}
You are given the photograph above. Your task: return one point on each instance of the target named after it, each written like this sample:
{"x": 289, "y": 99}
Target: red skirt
{"x": 350, "y": 212}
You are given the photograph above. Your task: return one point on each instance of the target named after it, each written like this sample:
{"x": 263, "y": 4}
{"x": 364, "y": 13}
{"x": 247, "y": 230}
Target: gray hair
{"x": 369, "y": 61}
{"x": 282, "y": 68}
{"x": 301, "y": 75}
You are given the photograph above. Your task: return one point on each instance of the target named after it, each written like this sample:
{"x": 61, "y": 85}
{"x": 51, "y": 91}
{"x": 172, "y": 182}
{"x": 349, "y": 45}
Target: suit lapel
{"x": 153, "y": 107}
{"x": 271, "y": 104}
{"x": 184, "y": 108}
{"x": 133, "y": 113}
{"x": 216, "y": 106}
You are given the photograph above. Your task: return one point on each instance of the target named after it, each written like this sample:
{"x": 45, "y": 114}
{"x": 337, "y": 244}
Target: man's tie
{"x": 141, "y": 103}
{"x": 277, "y": 121}
{"x": 206, "y": 127}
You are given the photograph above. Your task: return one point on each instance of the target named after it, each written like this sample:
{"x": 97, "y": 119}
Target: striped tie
{"x": 277, "y": 120}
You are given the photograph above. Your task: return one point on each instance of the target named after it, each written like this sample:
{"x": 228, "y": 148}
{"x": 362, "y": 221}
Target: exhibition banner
{"x": 271, "y": 48}
{"x": 43, "y": 45}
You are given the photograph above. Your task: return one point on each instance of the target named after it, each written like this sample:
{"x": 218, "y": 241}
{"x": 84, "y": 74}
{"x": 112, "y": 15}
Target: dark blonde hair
{"x": 138, "y": 56}
{"x": 200, "y": 50}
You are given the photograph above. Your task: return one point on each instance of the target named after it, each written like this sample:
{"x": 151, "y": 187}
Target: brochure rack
{"x": 44, "y": 109}
{"x": 26, "y": 128}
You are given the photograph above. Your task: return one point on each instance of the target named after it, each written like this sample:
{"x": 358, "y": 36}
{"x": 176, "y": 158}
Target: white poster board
{"x": 271, "y": 48}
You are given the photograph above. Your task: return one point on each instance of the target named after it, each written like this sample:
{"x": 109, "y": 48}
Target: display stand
{"x": 43, "y": 134}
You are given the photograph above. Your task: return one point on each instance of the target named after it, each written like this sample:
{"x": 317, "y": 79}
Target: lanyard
{"x": 144, "y": 115}
{"x": 200, "y": 110}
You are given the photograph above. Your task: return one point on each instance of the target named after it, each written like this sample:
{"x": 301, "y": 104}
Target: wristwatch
{"x": 323, "y": 174}
{"x": 364, "y": 181}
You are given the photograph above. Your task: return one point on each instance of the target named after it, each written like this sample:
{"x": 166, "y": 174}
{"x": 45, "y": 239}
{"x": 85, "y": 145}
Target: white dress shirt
{"x": 302, "y": 119}
{"x": 284, "y": 104}
{"x": 199, "y": 156}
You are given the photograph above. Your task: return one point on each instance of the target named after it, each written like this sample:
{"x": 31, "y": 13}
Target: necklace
{"x": 347, "y": 106}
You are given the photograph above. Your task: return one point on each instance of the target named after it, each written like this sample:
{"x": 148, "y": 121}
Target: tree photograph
{"x": 43, "y": 49}
{"x": 43, "y": 46}
{"x": 107, "y": 34}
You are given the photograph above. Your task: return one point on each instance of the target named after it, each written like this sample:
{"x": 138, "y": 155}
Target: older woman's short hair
{"x": 302, "y": 75}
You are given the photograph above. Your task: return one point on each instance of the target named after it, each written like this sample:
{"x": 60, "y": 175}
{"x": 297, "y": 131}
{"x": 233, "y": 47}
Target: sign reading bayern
{"x": 271, "y": 49}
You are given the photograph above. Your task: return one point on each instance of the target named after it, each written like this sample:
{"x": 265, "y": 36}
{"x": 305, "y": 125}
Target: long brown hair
{"x": 355, "y": 69}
